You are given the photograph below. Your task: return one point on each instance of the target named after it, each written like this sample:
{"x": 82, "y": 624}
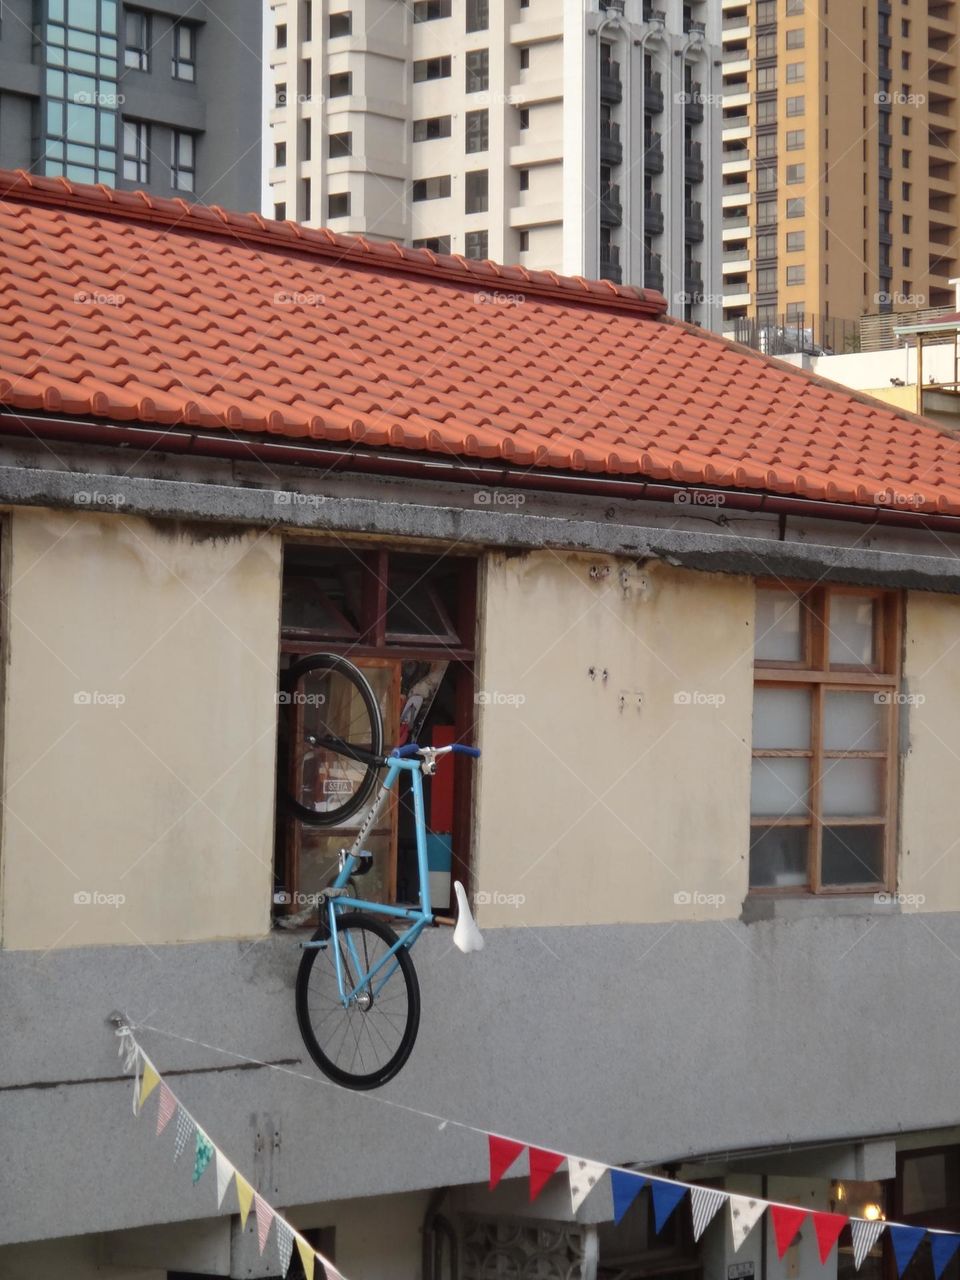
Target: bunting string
{"x": 584, "y": 1176}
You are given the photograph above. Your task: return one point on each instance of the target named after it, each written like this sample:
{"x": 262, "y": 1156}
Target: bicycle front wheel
{"x": 364, "y": 1043}
{"x": 337, "y": 713}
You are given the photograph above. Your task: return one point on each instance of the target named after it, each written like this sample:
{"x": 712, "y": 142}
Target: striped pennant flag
{"x": 265, "y": 1216}
{"x": 705, "y": 1203}
{"x": 865, "y": 1232}
{"x": 165, "y": 1108}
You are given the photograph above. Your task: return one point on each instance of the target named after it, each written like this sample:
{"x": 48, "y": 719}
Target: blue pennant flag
{"x": 626, "y": 1187}
{"x": 942, "y": 1249}
{"x": 666, "y": 1197}
{"x": 905, "y": 1241}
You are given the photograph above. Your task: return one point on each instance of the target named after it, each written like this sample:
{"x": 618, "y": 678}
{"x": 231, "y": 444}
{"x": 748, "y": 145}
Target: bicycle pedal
{"x": 365, "y": 862}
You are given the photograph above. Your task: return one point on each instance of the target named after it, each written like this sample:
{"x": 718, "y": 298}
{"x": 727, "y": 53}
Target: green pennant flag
{"x": 204, "y": 1155}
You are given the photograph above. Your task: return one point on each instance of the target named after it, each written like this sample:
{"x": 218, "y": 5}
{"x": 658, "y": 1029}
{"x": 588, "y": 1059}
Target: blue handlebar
{"x": 466, "y": 751}
{"x": 413, "y": 749}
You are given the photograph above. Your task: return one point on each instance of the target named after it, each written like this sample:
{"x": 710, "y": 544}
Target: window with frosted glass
{"x": 826, "y": 684}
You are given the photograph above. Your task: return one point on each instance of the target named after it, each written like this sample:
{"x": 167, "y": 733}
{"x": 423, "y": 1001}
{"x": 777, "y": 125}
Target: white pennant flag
{"x": 225, "y": 1172}
{"x": 865, "y": 1233}
{"x": 744, "y": 1214}
{"x": 584, "y": 1176}
{"x": 705, "y": 1203}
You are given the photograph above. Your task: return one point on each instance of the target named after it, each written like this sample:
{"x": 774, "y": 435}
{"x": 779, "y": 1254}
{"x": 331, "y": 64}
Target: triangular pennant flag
{"x": 225, "y": 1172}
{"x": 787, "y": 1221}
{"x": 265, "y": 1217}
{"x": 744, "y": 1213}
{"x": 186, "y": 1127}
{"x": 244, "y": 1197}
{"x": 542, "y": 1165}
{"x": 905, "y": 1241}
{"x": 828, "y": 1227}
{"x": 666, "y": 1196}
{"x": 284, "y": 1245}
{"x": 150, "y": 1081}
{"x": 307, "y": 1257}
{"x": 705, "y": 1204}
{"x": 626, "y": 1186}
{"x": 503, "y": 1152}
{"x": 865, "y": 1232}
{"x": 943, "y": 1245}
{"x": 584, "y": 1176}
{"x": 165, "y": 1108}
{"x": 203, "y": 1156}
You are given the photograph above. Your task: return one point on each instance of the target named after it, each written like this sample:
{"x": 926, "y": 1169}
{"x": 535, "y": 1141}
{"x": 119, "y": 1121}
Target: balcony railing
{"x": 611, "y": 86}
{"x": 652, "y": 213}
{"x": 653, "y": 272}
{"x": 653, "y": 92}
{"x": 611, "y": 148}
{"x": 693, "y": 220}
{"x": 610, "y": 263}
{"x": 611, "y": 210}
{"x": 652, "y": 153}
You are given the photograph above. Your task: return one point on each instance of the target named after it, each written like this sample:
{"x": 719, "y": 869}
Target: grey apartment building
{"x": 161, "y": 97}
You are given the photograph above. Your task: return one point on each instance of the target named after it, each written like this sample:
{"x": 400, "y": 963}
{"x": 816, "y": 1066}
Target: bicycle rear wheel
{"x": 338, "y": 714}
{"x": 365, "y": 1043}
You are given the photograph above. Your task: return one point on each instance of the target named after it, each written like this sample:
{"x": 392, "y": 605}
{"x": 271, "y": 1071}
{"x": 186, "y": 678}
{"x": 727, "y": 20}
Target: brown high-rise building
{"x": 839, "y": 163}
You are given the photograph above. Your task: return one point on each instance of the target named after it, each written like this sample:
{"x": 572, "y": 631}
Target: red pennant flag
{"x": 503, "y": 1152}
{"x": 542, "y": 1165}
{"x": 786, "y": 1224}
{"x": 828, "y": 1227}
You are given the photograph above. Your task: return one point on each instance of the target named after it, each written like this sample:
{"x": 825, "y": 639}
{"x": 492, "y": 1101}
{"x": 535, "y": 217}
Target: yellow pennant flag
{"x": 306, "y": 1256}
{"x": 149, "y": 1082}
{"x": 245, "y": 1197}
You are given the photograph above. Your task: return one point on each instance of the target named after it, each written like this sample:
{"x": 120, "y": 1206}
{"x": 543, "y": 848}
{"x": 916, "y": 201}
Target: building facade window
{"x": 338, "y": 204}
{"x": 280, "y": 212}
{"x": 475, "y": 245}
{"x": 767, "y": 280}
{"x": 766, "y": 79}
{"x": 431, "y": 188}
{"x": 279, "y": 154}
{"x": 340, "y": 84}
{"x": 523, "y": 118}
{"x": 306, "y": 200}
{"x": 796, "y": 275}
{"x": 524, "y": 241}
{"x": 136, "y": 50}
{"x": 280, "y": 95}
{"x": 766, "y": 245}
{"x": 79, "y": 109}
{"x": 796, "y": 207}
{"x": 478, "y": 15}
{"x": 340, "y": 145}
{"x": 796, "y": 241}
{"x": 795, "y": 173}
{"x": 796, "y": 106}
{"x": 476, "y": 191}
{"x": 432, "y": 127}
{"x": 524, "y": 179}
{"x": 184, "y": 63}
{"x": 183, "y": 163}
{"x": 431, "y": 69}
{"x": 767, "y": 111}
{"x": 281, "y": 39}
{"x": 339, "y": 25}
{"x": 825, "y": 682}
{"x": 767, "y": 179}
{"x": 477, "y": 131}
{"x": 431, "y": 10}
{"x": 437, "y": 244}
{"x": 796, "y": 139}
{"x": 795, "y": 38}
{"x": 136, "y": 151}
{"x": 477, "y": 64}
{"x": 795, "y": 72}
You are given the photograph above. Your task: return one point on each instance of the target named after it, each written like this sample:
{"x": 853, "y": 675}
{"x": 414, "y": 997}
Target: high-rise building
{"x": 574, "y": 137}
{"x": 839, "y": 163}
{"x": 155, "y": 96}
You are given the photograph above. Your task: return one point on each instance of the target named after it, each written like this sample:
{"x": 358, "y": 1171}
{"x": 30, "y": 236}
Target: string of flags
{"x": 706, "y": 1202}
{"x": 189, "y": 1136}
{"x": 584, "y": 1176}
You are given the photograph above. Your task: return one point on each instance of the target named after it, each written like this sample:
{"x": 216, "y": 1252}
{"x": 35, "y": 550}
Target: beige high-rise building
{"x": 567, "y": 135}
{"x": 839, "y": 163}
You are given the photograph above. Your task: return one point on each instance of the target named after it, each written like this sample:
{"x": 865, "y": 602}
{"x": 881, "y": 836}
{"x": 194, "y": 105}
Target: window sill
{"x": 758, "y": 907}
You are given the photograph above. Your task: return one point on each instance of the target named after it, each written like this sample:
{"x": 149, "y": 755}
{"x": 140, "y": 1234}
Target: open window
{"x": 408, "y": 621}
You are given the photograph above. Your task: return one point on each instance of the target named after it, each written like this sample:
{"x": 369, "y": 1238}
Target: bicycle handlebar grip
{"x": 465, "y": 751}
{"x": 405, "y": 752}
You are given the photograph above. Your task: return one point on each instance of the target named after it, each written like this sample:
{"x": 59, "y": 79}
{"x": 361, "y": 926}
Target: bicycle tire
{"x": 363, "y": 922}
{"x": 370, "y": 730}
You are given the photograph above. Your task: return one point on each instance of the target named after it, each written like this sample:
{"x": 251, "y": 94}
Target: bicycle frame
{"x": 419, "y": 917}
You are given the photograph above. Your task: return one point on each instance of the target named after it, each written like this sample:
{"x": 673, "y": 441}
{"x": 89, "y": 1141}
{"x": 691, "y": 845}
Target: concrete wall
{"x": 139, "y": 731}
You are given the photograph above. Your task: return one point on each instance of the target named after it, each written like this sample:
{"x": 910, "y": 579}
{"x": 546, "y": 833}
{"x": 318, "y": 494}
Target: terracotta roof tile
{"x": 126, "y": 306}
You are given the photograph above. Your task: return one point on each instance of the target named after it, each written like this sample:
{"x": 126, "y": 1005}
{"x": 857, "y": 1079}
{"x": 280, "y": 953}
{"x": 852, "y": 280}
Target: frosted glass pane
{"x": 779, "y": 788}
{"x": 778, "y": 856}
{"x": 852, "y": 788}
{"x": 851, "y": 630}
{"x": 854, "y": 722}
{"x": 781, "y": 718}
{"x": 779, "y": 635}
{"x": 852, "y": 855}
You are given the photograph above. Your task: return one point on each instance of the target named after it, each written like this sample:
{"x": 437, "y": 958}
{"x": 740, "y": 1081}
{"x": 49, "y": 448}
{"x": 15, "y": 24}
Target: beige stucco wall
{"x": 165, "y": 798}
{"x": 930, "y": 834}
{"x": 590, "y": 810}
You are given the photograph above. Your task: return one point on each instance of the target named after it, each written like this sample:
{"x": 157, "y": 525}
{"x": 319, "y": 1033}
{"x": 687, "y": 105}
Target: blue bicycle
{"x": 357, "y": 994}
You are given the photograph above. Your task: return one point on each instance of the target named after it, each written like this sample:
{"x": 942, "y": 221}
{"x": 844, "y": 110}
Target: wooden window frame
{"x": 370, "y": 645}
{"x": 815, "y": 672}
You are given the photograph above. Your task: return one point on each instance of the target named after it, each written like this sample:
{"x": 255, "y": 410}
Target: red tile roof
{"x": 119, "y": 305}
